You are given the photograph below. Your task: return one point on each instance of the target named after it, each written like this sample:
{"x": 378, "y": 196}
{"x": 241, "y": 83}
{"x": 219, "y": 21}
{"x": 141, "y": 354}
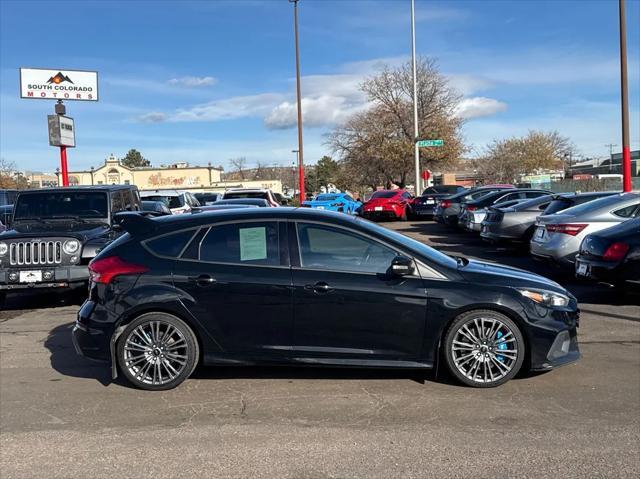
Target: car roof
{"x": 81, "y": 188}
{"x": 246, "y": 190}
{"x": 160, "y": 192}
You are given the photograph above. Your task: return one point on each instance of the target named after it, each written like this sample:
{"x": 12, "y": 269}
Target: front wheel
{"x": 157, "y": 351}
{"x": 484, "y": 348}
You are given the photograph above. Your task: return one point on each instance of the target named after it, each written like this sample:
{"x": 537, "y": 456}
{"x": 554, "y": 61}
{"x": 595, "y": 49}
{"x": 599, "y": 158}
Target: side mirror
{"x": 401, "y": 266}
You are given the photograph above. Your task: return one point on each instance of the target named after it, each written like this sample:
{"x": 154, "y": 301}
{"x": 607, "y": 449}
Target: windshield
{"x": 245, "y": 194}
{"x": 414, "y": 245}
{"x": 326, "y": 197}
{"x": 384, "y": 194}
{"x": 450, "y": 189}
{"x": 170, "y": 201}
{"x": 61, "y": 204}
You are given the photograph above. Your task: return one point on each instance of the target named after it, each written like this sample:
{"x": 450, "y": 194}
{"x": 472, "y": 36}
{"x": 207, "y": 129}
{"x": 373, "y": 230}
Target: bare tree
{"x": 376, "y": 145}
{"x": 505, "y": 161}
{"x": 239, "y": 164}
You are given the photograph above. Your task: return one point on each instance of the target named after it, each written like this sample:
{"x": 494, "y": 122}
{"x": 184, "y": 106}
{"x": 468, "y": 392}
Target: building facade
{"x": 179, "y": 176}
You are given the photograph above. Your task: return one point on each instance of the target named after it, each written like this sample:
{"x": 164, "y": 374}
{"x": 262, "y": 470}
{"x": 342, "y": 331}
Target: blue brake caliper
{"x": 501, "y": 345}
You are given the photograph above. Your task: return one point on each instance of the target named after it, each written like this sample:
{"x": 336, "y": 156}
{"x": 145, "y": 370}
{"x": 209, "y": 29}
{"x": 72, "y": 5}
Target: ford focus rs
{"x": 307, "y": 287}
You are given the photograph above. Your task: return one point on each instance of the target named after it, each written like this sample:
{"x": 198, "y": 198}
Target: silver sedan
{"x": 557, "y": 237}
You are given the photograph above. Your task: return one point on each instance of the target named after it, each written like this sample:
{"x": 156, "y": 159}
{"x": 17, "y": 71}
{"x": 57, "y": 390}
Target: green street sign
{"x": 423, "y": 143}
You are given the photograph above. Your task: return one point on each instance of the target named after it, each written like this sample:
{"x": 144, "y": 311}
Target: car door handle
{"x": 202, "y": 280}
{"x": 319, "y": 287}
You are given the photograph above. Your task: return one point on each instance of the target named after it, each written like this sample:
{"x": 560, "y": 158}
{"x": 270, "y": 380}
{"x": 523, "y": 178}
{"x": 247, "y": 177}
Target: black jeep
{"x": 55, "y": 232}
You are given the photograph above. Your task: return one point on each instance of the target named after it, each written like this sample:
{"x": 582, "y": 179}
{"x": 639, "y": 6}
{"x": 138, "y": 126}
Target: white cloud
{"x": 193, "y": 81}
{"x": 153, "y": 117}
{"x": 479, "y": 106}
{"x": 322, "y": 111}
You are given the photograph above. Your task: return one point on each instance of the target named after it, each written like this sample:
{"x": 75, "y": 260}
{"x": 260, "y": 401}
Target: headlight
{"x": 547, "y": 298}
{"x": 3, "y": 249}
{"x": 70, "y": 246}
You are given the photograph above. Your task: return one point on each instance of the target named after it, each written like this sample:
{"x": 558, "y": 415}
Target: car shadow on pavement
{"x": 40, "y": 299}
{"x": 66, "y": 361}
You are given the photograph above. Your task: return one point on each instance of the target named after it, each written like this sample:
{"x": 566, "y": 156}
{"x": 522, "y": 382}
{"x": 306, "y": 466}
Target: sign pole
{"x": 63, "y": 166}
{"x": 416, "y": 151}
{"x": 624, "y": 100}
{"x": 61, "y": 110}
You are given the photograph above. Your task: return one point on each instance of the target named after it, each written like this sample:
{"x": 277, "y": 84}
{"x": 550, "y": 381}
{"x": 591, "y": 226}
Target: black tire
{"x": 3, "y": 299}
{"x": 183, "y": 333}
{"x": 490, "y": 358}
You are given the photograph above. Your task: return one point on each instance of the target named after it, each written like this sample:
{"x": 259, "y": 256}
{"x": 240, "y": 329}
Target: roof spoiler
{"x": 134, "y": 222}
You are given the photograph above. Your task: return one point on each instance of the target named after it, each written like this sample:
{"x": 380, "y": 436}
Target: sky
{"x": 206, "y": 81}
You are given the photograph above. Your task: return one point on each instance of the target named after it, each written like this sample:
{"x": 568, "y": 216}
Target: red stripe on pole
{"x": 626, "y": 169}
{"x": 63, "y": 166}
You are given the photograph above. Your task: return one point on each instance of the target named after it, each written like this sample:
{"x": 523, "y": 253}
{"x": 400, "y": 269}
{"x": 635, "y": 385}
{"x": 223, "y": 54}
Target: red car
{"x": 387, "y": 204}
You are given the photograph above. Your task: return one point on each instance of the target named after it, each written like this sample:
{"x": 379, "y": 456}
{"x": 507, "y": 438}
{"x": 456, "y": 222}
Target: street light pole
{"x": 300, "y": 149}
{"x": 416, "y": 133}
{"x": 624, "y": 97}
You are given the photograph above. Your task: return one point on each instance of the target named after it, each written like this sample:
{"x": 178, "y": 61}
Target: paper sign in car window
{"x": 253, "y": 243}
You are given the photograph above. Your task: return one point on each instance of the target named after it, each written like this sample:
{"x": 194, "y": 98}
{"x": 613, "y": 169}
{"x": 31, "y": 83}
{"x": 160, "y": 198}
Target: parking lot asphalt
{"x": 61, "y": 416}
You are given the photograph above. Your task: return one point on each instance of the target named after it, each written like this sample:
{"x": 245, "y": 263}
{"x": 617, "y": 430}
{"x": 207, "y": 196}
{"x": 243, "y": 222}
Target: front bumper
{"x": 552, "y": 335}
{"x": 63, "y": 277}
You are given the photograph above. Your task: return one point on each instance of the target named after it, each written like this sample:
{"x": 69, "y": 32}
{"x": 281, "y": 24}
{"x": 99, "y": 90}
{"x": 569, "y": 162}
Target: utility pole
{"x": 611, "y": 146}
{"x": 416, "y": 130}
{"x": 624, "y": 98}
{"x": 299, "y": 97}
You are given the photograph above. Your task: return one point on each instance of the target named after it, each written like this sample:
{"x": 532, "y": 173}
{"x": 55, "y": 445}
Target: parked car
{"x": 563, "y": 201}
{"x": 302, "y": 286}
{"x": 387, "y": 204}
{"x": 341, "y": 202}
{"x": 518, "y": 222}
{"x": 260, "y": 193}
{"x": 281, "y": 199}
{"x": 238, "y": 202}
{"x": 612, "y": 255}
{"x": 207, "y": 198}
{"x": 177, "y": 201}
{"x": 423, "y": 206}
{"x": 448, "y": 208}
{"x": 558, "y": 236}
{"x": 56, "y": 232}
{"x": 473, "y": 212}
{"x": 158, "y": 208}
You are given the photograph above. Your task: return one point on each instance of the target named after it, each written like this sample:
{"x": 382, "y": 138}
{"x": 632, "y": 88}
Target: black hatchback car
{"x": 307, "y": 287}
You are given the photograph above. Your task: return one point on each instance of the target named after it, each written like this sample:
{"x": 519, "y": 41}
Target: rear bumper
{"x": 89, "y": 339}
{"x": 384, "y": 214}
{"x": 64, "y": 277}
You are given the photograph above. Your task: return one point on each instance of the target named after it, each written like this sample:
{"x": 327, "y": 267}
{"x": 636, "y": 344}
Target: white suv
{"x": 177, "y": 201}
{"x": 261, "y": 193}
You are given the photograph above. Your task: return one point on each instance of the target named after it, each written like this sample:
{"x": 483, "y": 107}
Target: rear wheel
{"x": 3, "y": 298}
{"x": 157, "y": 351}
{"x": 484, "y": 348}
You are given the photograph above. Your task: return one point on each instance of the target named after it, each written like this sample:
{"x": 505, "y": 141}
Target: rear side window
{"x": 170, "y": 245}
{"x": 626, "y": 212}
{"x": 253, "y": 243}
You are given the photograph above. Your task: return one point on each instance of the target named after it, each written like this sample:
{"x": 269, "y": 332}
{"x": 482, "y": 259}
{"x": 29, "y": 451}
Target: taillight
{"x": 616, "y": 252}
{"x": 567, "y": 229}
{"x": 445, "y": 204}
{"x": 471, "y": 208}
{"x": 105, "y": 269}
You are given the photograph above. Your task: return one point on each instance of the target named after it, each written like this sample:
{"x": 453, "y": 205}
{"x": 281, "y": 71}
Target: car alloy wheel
{"x": 157, "y": 351}
{"x": 484, "y": 348}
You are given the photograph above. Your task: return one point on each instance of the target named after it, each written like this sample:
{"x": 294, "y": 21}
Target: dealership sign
{"x": 65, "y": 85}
{"x": 62, "y": 131}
